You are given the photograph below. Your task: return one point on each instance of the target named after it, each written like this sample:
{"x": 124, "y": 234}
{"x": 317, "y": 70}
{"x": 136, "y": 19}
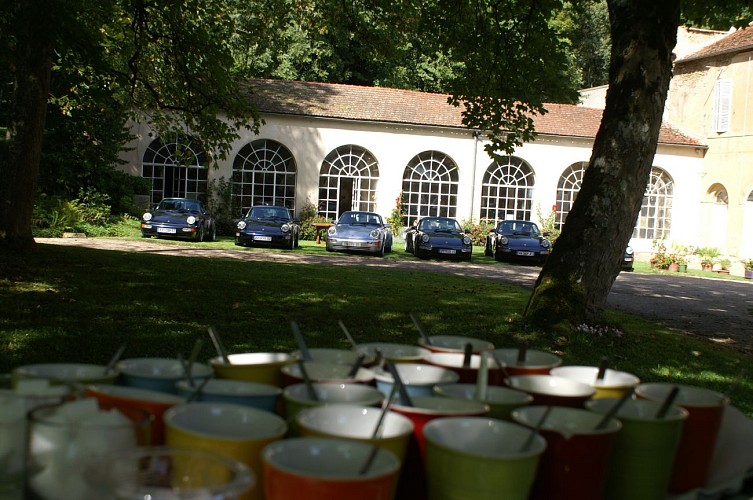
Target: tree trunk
{"x": 19, "y": 167}
{"x": 576, "y": 279}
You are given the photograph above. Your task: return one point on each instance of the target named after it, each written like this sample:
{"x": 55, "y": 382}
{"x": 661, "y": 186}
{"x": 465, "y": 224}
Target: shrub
{"x": 308, "y": 216}
{"x": 396, "y": 220}
{"x": 220, "y": 204}
{"x": 478, "y": 231}
{"x": 549, "y": 223}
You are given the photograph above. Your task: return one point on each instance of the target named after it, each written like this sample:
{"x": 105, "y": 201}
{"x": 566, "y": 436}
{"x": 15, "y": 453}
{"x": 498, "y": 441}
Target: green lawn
{"x": 77, "y": 304}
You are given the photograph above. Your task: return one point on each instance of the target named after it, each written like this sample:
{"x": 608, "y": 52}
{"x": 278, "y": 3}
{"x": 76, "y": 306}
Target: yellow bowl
{"x": 263, "y": 367}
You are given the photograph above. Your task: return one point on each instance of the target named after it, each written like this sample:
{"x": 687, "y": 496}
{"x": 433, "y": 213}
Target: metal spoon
{"x": 196, "y": 393}
{"x": 480, "y": 392}
{"x": 614, "y": 409}
{"x": 667, "y": 402}
{"x": 218, "y": 344}
{"x": 527, "y": 445}
{"x": 602, "y": 369}
{"x": 111, "y": 364}
{"x": 307, "y": 381}
{"x": 468, "y": 352}
{"x": 522, "y": 351}
{"x": 420, "y": 329}
{"x": 305, "y": 354}
{"x": 405, "y": 398}
{"x": 347, "y": 335}
{"x": 356, "y": 365}
{"x": 375, "y": 449}
{"x": 197, "y": 346}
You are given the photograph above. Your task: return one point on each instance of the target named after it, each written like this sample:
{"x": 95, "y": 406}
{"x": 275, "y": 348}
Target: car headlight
{"x": 191, "y": 219}
{"x": 629, "y": 250}
{"x": 242, "y": 225}
{"x": 425, "y": 238}
{"x": 332, "y": 231}
{"x": 545, "y": 244}
{"x": 147, "y": 217}
{"x": 285, "y": 228}
{"x": 466, "y": 240}
{"x": 375, "y": 234}
{"x": 503, "y": 240}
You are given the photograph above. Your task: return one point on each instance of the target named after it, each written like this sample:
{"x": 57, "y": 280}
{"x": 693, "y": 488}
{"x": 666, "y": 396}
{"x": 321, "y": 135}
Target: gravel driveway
{"x": 718, "y": 309}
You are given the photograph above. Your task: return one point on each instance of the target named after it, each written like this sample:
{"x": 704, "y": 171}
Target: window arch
{"x": 175, "y": 169}
{"x": 430, "y": 186}
{"x": 507, "y": 190}
{"x": 264, "y": 173}
{"x": 567, "y": 190}
{"x": 655, "y": 218}
{"x": 348, "y": 181}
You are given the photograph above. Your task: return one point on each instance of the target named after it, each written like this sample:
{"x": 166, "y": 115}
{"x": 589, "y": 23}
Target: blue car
{"x": 180, "y": 218}
{"x": 517, "y": 240}
{"x": 357, "y": 231}
{"x": 268, "y": 226}
{"x": 438, "y": 237}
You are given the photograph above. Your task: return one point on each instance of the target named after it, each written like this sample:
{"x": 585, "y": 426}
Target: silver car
{"x": 360, "y": 232}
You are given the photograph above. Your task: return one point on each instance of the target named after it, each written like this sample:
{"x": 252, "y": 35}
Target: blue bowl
{"x": 253, "y": 394}
{"x": 158, "y": 374}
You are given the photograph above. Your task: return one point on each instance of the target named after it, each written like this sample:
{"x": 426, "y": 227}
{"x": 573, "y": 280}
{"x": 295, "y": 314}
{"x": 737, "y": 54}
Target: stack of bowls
{"x": 158, "y": 374}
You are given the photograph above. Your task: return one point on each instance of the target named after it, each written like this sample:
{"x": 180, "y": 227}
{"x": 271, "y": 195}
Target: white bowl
{"x": 614, "y": 383}
{"x": 398, "y": 353}
{"x": 418, "y": 378}
{"x": 454, "y": 343}
{"x": 501, "y": 400}
{"x": 67, "y": 372}
{"x": 548, "y": 390}
{"x": 258, "y": 395}
{"x": 339, "y": 356}
{"x": 536, "y": 362}
{"x": 327, "y": 373}
{"x": 158, "y": 374}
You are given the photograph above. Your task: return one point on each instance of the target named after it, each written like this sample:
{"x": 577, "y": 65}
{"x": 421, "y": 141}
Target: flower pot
{"x": 674, "y": 267}
{"x": 683, "y": 268}
{"x": 749, "y": 274}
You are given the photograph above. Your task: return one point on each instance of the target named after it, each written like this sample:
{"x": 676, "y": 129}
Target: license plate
{"x": 262, "y": 238}
{"x": 352, "y": 243}
{"x": 447, "y": 251}
{"x": 525, "y": 254}
{"x": 166, "y": 230}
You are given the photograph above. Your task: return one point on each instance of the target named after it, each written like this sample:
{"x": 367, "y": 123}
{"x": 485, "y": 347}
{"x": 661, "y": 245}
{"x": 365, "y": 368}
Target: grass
{"x": 68, "y": 304}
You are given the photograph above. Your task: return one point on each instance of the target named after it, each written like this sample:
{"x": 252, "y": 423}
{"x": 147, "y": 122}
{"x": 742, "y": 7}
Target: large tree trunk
{"x": 19, "y": 167}
{"x": 576, "y": 279}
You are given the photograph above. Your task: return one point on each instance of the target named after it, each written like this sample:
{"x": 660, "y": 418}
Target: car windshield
{"x": 173, "y": 204}
{"x": 259, "y": 213}
{"x": 363, "y": 218}
{"x": 518, "y": 228}
{"x": 439, "y": 225}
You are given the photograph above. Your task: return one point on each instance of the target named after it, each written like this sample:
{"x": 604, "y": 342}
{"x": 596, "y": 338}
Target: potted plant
{"x": 724, "y": 264}
{"x": 707, "y": 256}
{"x": 673, "y": 263}
{"x": 749, "y": 268}
{"x": 682, "y": 264}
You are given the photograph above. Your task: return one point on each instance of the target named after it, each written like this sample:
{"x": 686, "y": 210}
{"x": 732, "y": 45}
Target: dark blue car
{"x": 517, "y": 240}
{"x": 438, "y": 237}
{"x": 268, "y": 226}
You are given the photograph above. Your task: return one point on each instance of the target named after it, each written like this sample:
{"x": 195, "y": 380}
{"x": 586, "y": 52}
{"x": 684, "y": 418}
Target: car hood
{"x": 354, "y": 231}
{"x": 449, "y": 239}
{"x": 172, "y": 215}
{"x": 265, "y": 223}
{"x": 523, "y": 241}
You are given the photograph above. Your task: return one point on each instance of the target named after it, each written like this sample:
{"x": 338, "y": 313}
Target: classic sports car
{"x": 179, "y": 218}
{"x": 268, "y": 226}
{"x": 627, "y": 259}
{"x": 360, "y": 232}
{"x": 438, "y": 237}
{"x": 517, "y": 239}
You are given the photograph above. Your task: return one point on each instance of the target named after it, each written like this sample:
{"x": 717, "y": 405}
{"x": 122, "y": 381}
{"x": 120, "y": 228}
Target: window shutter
{"x": 722, "y": 105}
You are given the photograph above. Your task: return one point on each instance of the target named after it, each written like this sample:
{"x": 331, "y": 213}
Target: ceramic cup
{"x": 233, "y": 430}
{"x": 262, "y": 367}
{"x": 397, "y": 353}
{"x": 454, "y": 344}
{"x": 337, "y": 356}
{"x": 125, "y": 399}
{"x": 575, "y": 463}
{"x": 253, "y": 394}
{"x": 357, "y": 423}
{"x": 644, "y": 450}
{"x": 614, "y": 384}
{"x": 65, "y": 438}
{"x": 699, "y": 433}
{"x": 58, "y": 373}
{"x": 480, "y": 458}
{"x": 326, "y": 373}
{"x": 158, "y": 374}
{"x": 548, "y": 390}
{"x": 535, "y": 362}
{"x": 164, "y": 473}
{"x": 455, "y": 361}
{"x": 418, "y": 378}
{"x": 501, "y": 400}
{"x": 327, "y": 469}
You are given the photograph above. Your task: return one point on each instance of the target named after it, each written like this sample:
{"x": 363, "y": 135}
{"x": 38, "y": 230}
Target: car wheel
{"x": 488, "y": 248}
{"x": 200, "y": 238}
{"x": 381, "y": 250}
{"x": 418, "y": 252}
{"x": 145, "y": 235}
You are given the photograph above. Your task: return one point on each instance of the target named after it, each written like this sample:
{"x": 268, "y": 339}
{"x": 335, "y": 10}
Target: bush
{"x": 220, "y": 204}
{"x": 478, "y": 231}
{"x": 396, "y": 220}
{"x": 308, "y": 216}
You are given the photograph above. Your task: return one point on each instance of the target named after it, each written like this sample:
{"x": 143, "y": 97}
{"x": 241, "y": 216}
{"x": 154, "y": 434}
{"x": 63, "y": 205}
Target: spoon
{"x": 218, "y": 344}
{"x": 404, "y": 396}
{"x": 480, "y": 393}
{"x": 375, "y": 449}
{"x": 667, "y": 402}
{"x": 522, "y": 351}
{"x": 305, "y": 354}
{"x": 420, "y": 329}
{"x": 114, "y": 359}
{"x": 347, "y": 335}
{"x": 502, "y": 368}
{"x": 602, "y": 369}
{"x": 356, "y": 365}
{"x": 614, "y": 409}
{"x": 467, "y": 355}
{"x": 306, "y": 380}
{"x": 192, "y": 359}
{"x": 197, "y": 392}
{"x": 527, "y": 445}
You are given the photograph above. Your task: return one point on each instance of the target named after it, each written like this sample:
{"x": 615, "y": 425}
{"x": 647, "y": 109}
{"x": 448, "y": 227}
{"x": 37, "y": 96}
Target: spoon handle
{"x": 667, "y": 402}
{"x": 305, "y": 354}
{"x": 356, "y": 366}
{"x": 114, "y": 359}
{"x": 404, "y": 396}
{"x": 307, "y": 381}
{"x": 375, "y": 448}
{"x": 218, "y": 344}
{"x": 347, "y": 335}
{"x": 522, "y": 351}
{"x": 529, "y": 442}
{"x": 602, "y": 369}
{"x": 420, "y": 329}
{"x": 614, "y": 409}
{"x": 467, "y": 353}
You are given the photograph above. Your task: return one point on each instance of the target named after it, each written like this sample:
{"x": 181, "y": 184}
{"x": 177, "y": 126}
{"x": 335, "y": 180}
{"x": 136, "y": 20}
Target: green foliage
{"x": 748, "y": 264}
{"x": 708, "y": 255}
{"x": 220, "y": 204}
{"x": 549, "y": 223}
{"x": 308, "y": 215}
{"x": 478, "y": 231}
{"x": 56, "y": 214}
{"x": 396, "y": 220}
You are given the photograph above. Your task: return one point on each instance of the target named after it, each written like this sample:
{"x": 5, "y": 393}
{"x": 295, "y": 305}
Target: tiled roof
{"x": 408, "y": 107}
{"x": 738, "y": 41}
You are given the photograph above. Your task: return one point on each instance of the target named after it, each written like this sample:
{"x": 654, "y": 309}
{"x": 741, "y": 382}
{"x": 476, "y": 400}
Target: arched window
{"x": 655, "y": 218}
{"x": 430, "y": 186}
{"x": 264, "y": 173}
{"x": 506, "y": 190}
{"x": 567, "y": 190}
{"x": 176, "y": 169}
{"x": 347, "y": 181}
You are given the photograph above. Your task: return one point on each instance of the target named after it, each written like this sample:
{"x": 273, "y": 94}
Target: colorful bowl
{"x": 613, "y": 385}
{"x": 296, "y": 398}
{"x": 158, "y": 374}
{"x": 328, "y": 469}
{"x": 501, "y": 400}
{"x": 262, "y": 367}
{"x": 59, "y": 373}
{"x": 454, "y": 343}
{"x": 418, "y": 379}
{"x": 254, "y": 394}
{"x": 548, "y": 390}
{"x": 535, "y": 362}
{"x": 454, "y": 361}
{"x": 339, "y": 356}
{"x": 325, "y": 373}
{"x": 397, "y": 353}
